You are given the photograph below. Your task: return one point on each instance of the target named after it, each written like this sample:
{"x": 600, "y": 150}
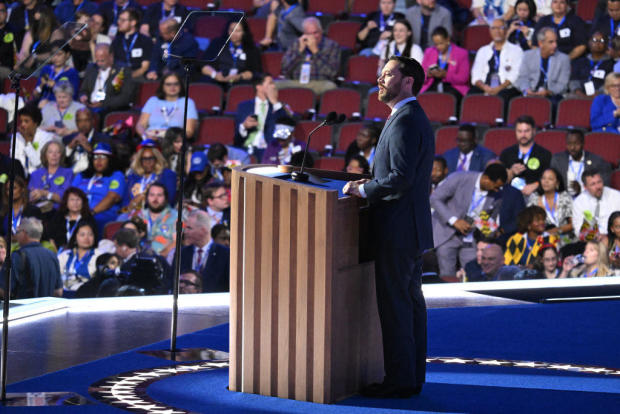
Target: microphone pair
{"x": 334, "y": 118}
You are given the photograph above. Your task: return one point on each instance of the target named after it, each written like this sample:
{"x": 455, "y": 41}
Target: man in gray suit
{"x": 424, "y": 18}
{"x": 457, "y": 202}
{"x": 545, "y": 71}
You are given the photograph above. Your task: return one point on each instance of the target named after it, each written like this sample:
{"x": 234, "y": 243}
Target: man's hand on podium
{"x": 352, "y": 187}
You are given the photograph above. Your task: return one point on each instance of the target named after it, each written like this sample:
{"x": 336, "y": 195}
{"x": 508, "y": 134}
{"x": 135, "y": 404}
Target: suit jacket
{"x": 558, "y": 72}
{"x": 245, "y": 109}
{"x": 114, "y": 100}
{"x": 457, "y": 73}
{"x": 559, "y": 161}
{"x": 479, "y": 158}
{"x": 439, "y": 17}
{"x": 512, "y": 204}
{"x": 215, "y": 273}
{"x": 452, "y": 199}
{"x": 398, "y": 193}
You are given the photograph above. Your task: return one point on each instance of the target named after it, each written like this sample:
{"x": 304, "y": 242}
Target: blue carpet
{"x": 586, "y": 333}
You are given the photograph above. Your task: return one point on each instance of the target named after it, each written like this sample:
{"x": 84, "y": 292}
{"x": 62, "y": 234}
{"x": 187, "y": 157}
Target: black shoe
{"x": 390, "y": 391}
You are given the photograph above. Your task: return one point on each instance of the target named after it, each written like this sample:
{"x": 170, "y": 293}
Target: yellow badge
{"x": 533, "y": 163}
{"x": 3, "y": 178}
{"x": 59, "y": 180}
{"x": 8, "y": 37}
{"x": 114, "y": 184}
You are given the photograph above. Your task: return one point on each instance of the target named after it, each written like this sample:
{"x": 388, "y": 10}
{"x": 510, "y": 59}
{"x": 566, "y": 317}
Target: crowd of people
{"x": 94, "y": 208}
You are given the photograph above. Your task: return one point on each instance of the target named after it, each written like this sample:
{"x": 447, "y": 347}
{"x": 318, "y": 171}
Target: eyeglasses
{"x": 221, "y": 195}
{"x": 594, "y": 40}
{"x": 99, "y": 156}
{"x": 148, "y": 158}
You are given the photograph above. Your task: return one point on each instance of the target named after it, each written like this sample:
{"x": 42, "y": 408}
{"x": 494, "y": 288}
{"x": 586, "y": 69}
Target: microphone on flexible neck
{"x": 331, "y": 119}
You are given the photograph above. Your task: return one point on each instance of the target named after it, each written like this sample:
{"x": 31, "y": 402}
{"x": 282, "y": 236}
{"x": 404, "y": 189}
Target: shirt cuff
{"x": 452, "y": 220}
{"x": 277, "y": 106}
{"x": 242, "y": 131}
{"x": 361, "y": 190}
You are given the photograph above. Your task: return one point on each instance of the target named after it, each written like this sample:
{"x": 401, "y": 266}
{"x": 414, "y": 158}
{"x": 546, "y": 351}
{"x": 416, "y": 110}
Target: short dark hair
{"x": 259, "y": 79}
{"x": 32, "y": 111}
{"x": 160, "y": 185}
{"x": 526, "y": 119}
{"x": 442, "y": 161}
{"x": 362, "y": 161}
{"x": 217, "y": 229}
{"x": 468, "y": 128}
{"x": 160, "y": 88}
{"x": 134, "y": 14}
{"x": 440, "y": 31}
{"x": 496, "y": 171}
{"x": 216, "y": 152}
{"x": 138, "y": 222}
{"x": 410, "y": 67}
{"x": 578, "y": 133}
{"x": 127, "y": 237}
{"x": 72, "y": 242}
{"x": 210, "y": 189}
{"x": 527, "y": 215}
{"x": 590, "y": 172}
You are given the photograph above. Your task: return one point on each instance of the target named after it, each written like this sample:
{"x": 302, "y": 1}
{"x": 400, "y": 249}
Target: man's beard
{"x": 158, "y": 209}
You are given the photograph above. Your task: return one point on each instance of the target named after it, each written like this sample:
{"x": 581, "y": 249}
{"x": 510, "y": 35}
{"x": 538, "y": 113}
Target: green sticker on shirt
{"x": 114, "y": 184}
{"x": 59, "y": 180}
{"x": 533, "y": 163}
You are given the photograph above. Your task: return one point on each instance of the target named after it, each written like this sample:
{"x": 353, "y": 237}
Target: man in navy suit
{"x": 210, "y": 260}
{"x": 256, "y": 118}
{"x": 401, "y": 224}
{"x": 467, "y": 155}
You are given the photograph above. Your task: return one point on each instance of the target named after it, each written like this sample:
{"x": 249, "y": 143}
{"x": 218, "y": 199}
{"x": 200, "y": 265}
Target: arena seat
{"x": 439, "y": 107}
{"x": 344, "y": 33}
{"x": 329, "y": 163}
{"x": 605, "y": 145}
{"x": 481, "y": 109}
{"x": 615, "y": 180}
{"x": 538, "y": 108}
{"x": 445, "y": 139}
{"x": 209, "y": 27}
{"x": 26, "y": 86}
{"x": 145, "y": 91}
{"x": 573, "y": 113}
{"x": 362, "y": 69}
{"x": 363, "y": 7}
{"x": 474, "y": 37}
{"x": 206, "y": 95}
{"x": 110, "y": 228}
{"x": 498, "y": 139}
{"x": 257, "y": 27}
{"x": 320, "y": 139}
{"x": 376, "y": 110}
{"x": 554, "y": 140}
{"x": 299, "y": 99}
{"x": 272, "y": 63}
{"x": 347, "y": 134}
{"x": 237, "y": 94}
{"x": 245, "y": 5}
{"x": 341, "y": 100}
{"x": 216, "y": 129}
{"x": 331, "y": 7}
{"x": 5, "y": 147}
{"x": 586, "y": 9}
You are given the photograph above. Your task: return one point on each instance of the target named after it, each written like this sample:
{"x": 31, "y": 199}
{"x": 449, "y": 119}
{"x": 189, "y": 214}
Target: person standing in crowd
{"x": 424, "y": 18}
{"x": 199, "y": 174}
{"x": 72, "y": 210}
{"x": 377, "y": 26}
{"x": 77, "y": 261}
{"x": 402, "y": 228}
{"x": 467, "y": 155}
{"x": 592, "y": 208}
{"x": 48, "y": 183}
{"x": 30, "y": 138}
{"x": 131, "y": 48}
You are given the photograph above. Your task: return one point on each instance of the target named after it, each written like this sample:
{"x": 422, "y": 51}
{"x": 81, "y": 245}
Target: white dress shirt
{"x": 609, "y": 202}
{"x": 29, "y": 153}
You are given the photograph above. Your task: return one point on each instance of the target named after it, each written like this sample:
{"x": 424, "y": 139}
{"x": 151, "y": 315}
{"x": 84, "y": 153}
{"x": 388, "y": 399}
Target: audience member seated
{"x": 80, "y": 144}
{"x": 66, "y": 10}
{"x": 40, "y": 32}
{"x": 612, "y": 241}
{"x": 220, "y": 234}
{"x": 472, "y": 269}
{"x": 210, "y": 260}
{"x": 446, "y": 66}
{"x": 439, "y": 172}
{"x": 79, "y": 46}
{"x": 105, "y": 186}
{"x": 59, "y": 70}
{"x": 592, "y": 208}
{"x": 605, "y": 109}
{"x": 424, "y": 18}
{"x": 492, "y": 265}
{"x": 571, "y": 30}
{"x": 545, "y": 71}
{"x": 547, "y": 263}
{"x": 157, "y": 12}
{"x": 5, "y": 168}
{"x": 58, "y": 117}
{"x": 614, "y": 53}
{"x": 526, "y": 160}
{"x": 524, "y": 246}
{"x": 21, "y": 207}
{"x": 97, "y": 28}
{"x": 138, "y": 225}
{"x": 609, "y": 22}
{"x": 558, "y": 204}
{"x": 217, "y": 201}
{"x": 220, "y": 156}
{"x": 284, "y": 24}
{"x": 73, "y": 209}
{"x": 357, "y": 165}
{"x": 467, "y": 155}
{"x": 184, "y": 45}
{"x": 399, "y": 44}
{"x": 572, "y": 162}
{"x": 588, "y": 73}
{"x": 165, "y": 110}
{"x": 48, "y": 183}
{"x": 107, "y": 86}
{"x": 239, "y": 62}
{"x": 281, "y": 149}
{"x": 171, "y": 146}
{"x": 496, "y": 67}
{"x": 464, "y": 202}
{"x": 486, "y": 11}
{"x": 7, "y": 49}
{"x": 365, "y": 144}
{"x": 160, "y": 219}
{"x": 595, "y": 262}
{"x": 513, "y": 203}
{"x": 521, "y": 29}
{"x": 312, "y": 61}
{"x": 78, "y": 260}
{"x": 131, "y": 48}
{"x": 30, "y": 138}
{"x": 22, "y": 17}
{"x": 377, "y": 26}
{"x": 148, "y": 166}
{"x": 190, "y": 282}
{"x": 256, "y": 118}
{"x": 35, "y": 260}
{"x": 199, "y": 174}
{"x": 111, "y": 10}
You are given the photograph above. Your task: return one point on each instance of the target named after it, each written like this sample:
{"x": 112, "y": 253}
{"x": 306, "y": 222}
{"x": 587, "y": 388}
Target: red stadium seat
{"x": 121, "y": 116}
{"x": 439, "y": 107}
{"x": 237, "y": 94}
{"x": 586, "y": 9}
{"x": 333, "y": 7}
{"x": 537, "y": 108}
{"x": 245, "y": 5}
{"x": 4, "y": 121}
{"x": 320, "y": 139}
{"x": 344, "y": 33}
{"x": 209, "y": 27}
{"x": 299, "y": 99}
{"x": 481, "y": 109}
{"x": 26, "y": 86}
{"x": 5, "y": 147}
{"x": 376, "y": 110}
{"x": 553, "y": 140}
{"x": 445, "y": 139}
{"x": 329, "y": 163}
{"x": 216, "y": 129}
{"x": 498, "y": 139}
{"x": 347, "y": 134}
{"x": 257, "y": 27}
{"x": 605, "y": 145}
{"x": 341, "y": 100}
{"x": 615, "y": 180}
{"x": 573, "y": 113}
{"x": 362, "y": 69}
{"x": 272, "y": 63}
{"x": 474, "y": 37}
{"x": 145, "y": 91}
{"x": 363, "y": 7}
{"x": 110, "y": 228}
{"x": 206, "y": 95}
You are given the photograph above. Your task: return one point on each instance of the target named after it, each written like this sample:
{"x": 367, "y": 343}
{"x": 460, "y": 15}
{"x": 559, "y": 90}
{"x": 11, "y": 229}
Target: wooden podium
{"x": 303, "y": 313}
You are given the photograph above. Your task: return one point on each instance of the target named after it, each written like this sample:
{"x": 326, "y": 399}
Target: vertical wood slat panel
{"x": 236, "y": 279}
{"x": 301, "y": 299}
{"x": 265, "y": 220}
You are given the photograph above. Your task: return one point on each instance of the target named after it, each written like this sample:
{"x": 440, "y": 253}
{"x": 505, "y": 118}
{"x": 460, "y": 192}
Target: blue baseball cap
{"x": 198, "y": 161}
{"x": 102, "y": 148}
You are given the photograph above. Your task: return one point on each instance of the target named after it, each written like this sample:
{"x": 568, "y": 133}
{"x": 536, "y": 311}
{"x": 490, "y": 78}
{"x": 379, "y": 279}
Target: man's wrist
{"x": 452, "y": 220}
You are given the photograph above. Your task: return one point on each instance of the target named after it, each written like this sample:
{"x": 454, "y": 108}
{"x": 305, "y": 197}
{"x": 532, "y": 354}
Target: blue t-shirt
{"x": 70, "y": 75}
{"x": 164, "y": 114}
{"x": 137, "y": 184}
{"x": 57, "y": 183}
{"x": 96, "y": 188}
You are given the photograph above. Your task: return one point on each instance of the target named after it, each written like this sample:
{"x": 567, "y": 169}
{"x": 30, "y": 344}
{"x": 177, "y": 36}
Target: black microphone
{"x": 331, "y": 119}
{"x": 341, "y": 118}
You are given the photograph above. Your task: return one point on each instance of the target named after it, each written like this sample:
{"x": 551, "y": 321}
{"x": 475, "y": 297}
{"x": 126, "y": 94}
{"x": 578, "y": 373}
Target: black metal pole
{"x": 15, "y": 78}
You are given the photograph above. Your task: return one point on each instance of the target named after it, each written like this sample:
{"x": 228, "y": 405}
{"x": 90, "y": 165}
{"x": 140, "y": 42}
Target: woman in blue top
{"x": 165, "y": 110}
{"x": 103, "y": 186}
{"x": 605, "y": 109}
{"x": 77, "y": 262}
{"x": 48, "y": 183}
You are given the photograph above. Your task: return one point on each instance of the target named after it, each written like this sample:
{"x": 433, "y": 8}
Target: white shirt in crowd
{"x": 509, "y": 63}
{"x": 29, "y": 153}
{"x": 609, "y": 202}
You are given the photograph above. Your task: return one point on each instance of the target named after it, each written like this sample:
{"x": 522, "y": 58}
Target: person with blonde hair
{"x": 605, "y": 109}
{"x": 595, "y": 262}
